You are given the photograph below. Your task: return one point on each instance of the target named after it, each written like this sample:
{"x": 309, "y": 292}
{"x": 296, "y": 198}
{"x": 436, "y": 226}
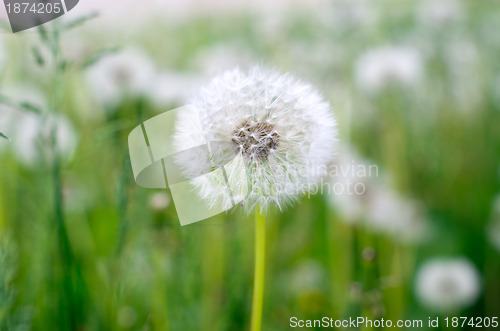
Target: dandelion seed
{"x": 128, "y": 73}
{"x": 282, "y": 128}
{"x": 388, "y": 66}
{"x": 448, "y": 285}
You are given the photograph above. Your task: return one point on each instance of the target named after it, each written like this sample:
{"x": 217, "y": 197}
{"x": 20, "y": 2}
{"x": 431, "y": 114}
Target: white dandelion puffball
{"x": 159, "y": 201}
{"x": 448, "y": 285}
{"x": 31, "y": 140}
{"x": 21, "y": 127}
{"x": 350, "y": 184}
{"x": 115, "y": 77}
{"x": 389, "y": 212}
{"x": 172, "y": 88}
{"x": 282, "y": 128}
{"x": 436, "y": 13}
{"x": 359, "y": 196}
{"x": 221, "y": 57}
{"x": 388, "y": 66}
{"x": 30, "y": 132}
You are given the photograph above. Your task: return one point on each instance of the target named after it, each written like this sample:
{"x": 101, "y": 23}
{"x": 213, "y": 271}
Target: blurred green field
{"x": 415, "y": 86}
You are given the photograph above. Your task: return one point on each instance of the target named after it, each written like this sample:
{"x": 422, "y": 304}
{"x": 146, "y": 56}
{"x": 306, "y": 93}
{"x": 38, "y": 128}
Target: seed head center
{"x": 256, "y": 139}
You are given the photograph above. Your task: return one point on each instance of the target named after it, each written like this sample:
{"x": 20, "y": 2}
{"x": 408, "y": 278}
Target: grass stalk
{"x": 260, "y": 255}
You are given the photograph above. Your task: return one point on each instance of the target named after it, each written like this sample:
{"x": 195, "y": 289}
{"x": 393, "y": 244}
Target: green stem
{"x": 260, "y": 255}
{"x": 67, "y": 308}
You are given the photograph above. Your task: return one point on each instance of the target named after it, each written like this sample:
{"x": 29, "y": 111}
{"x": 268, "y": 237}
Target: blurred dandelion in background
{"x": 127, "y": 74}
{"x": 388, "y": 66}
{"x": 27, "y": 122}
{"x": 397, "y": 216}
{"x": 361, "y": 195}
{"x": 436, "y": 13}
{"x": 448, "y": 285}
{"x": 159, "y": 201}
{"x": 172, "y": 89}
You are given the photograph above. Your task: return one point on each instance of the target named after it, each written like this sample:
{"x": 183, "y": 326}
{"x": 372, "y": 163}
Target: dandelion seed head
{"x": 283, "y": 129}
{"x": 448, "y": 285}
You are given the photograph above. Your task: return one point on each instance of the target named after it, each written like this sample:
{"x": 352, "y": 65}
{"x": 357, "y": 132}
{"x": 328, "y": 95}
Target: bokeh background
{"x": 415, "y": 86}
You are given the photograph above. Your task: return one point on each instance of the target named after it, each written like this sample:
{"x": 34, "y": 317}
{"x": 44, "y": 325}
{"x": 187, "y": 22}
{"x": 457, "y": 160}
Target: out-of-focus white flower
{"x": 273, "y": 27}
{"x": 171, "y": 89}
{"x": 349, "y": 187}
{"x": 21, "y": 127}
{"x": 77, "y": 47}
{"x": 346, "y": 14}
{"x": 308, "y": 275}
{"x": 3, "y": 54}
{"x": 464, "y": 65}
{"x": 118, "y": 14}
{"x": 359, "y": 196}
{"x": 64, "y": 134}
{"x": 32, "y": 139}
{"x": 435, "y": 13}
{"x": 393, "y": 214}
{"x": 31, "y": 132}
{"x": 128, "y": 73}
{"x": 282, "y": 128}
{"x": 26, "y": 143}
{"x": 219, "y": 58}
{"x": 389, "y": 65}
{"x": 159, "y": 201}
{"x": 448, "y": 285}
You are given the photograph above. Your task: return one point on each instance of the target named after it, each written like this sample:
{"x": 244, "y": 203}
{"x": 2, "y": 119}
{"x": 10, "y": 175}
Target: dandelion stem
{"x": 260, "y": 254}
